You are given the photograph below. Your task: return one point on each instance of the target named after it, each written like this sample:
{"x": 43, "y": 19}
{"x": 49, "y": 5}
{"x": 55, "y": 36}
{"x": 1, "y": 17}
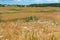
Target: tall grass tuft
{"x": 52, "y": 37}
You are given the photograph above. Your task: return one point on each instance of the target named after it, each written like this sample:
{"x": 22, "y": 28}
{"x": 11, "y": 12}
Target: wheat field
{"x": 29, "y": 23}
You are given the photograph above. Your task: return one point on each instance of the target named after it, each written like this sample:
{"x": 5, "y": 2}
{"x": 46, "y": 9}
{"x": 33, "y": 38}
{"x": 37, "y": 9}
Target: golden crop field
{"x": 29, "y": 23}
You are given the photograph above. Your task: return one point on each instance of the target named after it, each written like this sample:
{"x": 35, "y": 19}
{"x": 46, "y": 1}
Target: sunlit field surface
{"x": 29, "y": 23}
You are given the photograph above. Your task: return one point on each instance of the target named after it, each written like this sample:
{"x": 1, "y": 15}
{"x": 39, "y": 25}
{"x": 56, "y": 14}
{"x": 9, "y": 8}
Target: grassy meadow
{"x": 29, "y": 23}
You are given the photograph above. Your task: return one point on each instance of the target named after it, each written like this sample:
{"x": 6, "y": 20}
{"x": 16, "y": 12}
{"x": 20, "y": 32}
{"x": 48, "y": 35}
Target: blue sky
{"x": 25, "y": 2}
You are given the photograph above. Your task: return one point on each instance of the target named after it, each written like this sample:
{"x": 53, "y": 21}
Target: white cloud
{"x": 38, "y": 1}
{"x": 53, "y": 1}
{"x": 46, "y": 1}
{"x": 17, "y": 0}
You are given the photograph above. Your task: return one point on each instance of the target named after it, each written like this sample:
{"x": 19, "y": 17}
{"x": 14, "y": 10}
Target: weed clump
{"x": 52, "y": 37}
{"x": 1, "y": 20}
{"x": 30, "y": 18}
{"x": 27, "y": 19}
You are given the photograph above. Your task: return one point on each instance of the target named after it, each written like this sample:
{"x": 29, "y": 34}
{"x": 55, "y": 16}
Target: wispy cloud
{"x": 46, "y": 1}
{"x": 52, "y": 0}
{"x": 28, "y": 1}
{"x": 18, "y": 0}
{"x": 36, "y": 0}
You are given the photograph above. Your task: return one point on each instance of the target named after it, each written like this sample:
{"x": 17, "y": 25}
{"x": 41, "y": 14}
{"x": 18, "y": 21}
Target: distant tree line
{"x": 4, "y": 5}
{"x": 45, "y": 5}
{"x": 35, "y": 5}
{"x": 1, "y": 5}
